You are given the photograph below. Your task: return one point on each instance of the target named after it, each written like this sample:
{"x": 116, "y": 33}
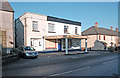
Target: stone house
{"x": 6, "y": 27}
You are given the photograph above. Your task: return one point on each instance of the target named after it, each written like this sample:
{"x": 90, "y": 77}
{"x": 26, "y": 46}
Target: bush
{"x": 117, "y": 48}
{"x": 13, "y": 52}
{"x": 111, "y": 49}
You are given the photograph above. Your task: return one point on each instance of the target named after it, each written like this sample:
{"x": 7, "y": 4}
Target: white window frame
{"x": 51, "y": 28}
{"x": 35, "y": 23}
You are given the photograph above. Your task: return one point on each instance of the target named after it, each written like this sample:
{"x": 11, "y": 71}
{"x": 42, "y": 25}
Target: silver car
{"x": 27, "y": 51}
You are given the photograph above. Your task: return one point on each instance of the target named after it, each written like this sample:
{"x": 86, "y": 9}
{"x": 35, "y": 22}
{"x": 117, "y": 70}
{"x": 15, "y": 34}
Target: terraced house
{"x": 6, "y": 27}
{"x": 101, "y": 38}
{"x": 47, "y": 33}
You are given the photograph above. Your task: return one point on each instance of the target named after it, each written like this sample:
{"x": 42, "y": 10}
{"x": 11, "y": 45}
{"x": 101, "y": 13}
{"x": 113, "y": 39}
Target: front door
{"x": 38, "y": 44}
{"x": 59, "y": 45}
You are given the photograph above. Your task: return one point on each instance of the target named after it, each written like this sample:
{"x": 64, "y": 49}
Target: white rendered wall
{"x": 59, "y": 28}
{"x": 29, "y": 18}
{"x": 109, "y": 39}
{"x": 42, "y": 27}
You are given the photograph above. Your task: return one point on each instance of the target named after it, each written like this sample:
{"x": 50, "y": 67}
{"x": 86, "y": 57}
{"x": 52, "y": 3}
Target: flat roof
{"x": 55, "y": 19}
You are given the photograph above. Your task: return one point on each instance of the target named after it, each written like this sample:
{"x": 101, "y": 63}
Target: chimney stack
{"x": 117, "y": 29}
{"x": 96, "y": 24}
{"x": 111, "y": 28}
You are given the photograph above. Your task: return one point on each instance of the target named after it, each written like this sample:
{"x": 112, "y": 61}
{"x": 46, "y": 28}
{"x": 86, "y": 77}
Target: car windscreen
{"x": 29, "y": 48}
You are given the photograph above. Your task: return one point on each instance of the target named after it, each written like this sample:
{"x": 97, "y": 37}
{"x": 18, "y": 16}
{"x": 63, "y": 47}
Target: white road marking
{"x": 70, "y": 71}
{"x": 111, "y": 58}
{"x": 109, "y": 61}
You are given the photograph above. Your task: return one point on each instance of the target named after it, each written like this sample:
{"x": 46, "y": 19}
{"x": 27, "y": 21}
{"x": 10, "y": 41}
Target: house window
{"x": 76, "y": 29}
{"x": 104, "y": 37}
{"x": 35, "y": 26}
{"x": 66, "y": 29}
{"x": 51, "y": 28}
{"x": 99, "y": 37}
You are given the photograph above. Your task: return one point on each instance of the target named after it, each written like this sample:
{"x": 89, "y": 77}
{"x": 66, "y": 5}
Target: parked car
{"x": 27, "y": 51}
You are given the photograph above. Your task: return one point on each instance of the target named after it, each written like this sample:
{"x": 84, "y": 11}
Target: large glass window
{"x": 35, "y": 26}
{"x": 51, "y": 28}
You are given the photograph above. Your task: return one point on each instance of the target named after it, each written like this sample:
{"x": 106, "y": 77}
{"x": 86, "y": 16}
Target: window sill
{"x": 51, "y": 32}
{"x": 66, "y": 33}
{"x": 35, "y": 31}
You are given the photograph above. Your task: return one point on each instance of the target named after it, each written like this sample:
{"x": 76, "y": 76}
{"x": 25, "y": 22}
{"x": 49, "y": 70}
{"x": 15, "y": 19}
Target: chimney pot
{"x": 96, "y": 24}
{"x": 117, "y": 29}
{"x": 111, "y": 27}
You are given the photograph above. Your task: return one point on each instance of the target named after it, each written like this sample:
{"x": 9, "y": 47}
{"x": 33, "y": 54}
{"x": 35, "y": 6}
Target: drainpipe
{"x": 25, "y": 41}
{"x": 43, "y": 43}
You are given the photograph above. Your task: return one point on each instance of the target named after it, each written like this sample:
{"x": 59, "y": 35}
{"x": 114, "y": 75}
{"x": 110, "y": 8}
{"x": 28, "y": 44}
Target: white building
{"x": 46, "y": 33}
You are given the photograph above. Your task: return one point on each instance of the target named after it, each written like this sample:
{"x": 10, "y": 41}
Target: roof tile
{"x": 98, "y": 30}
{"x": 6, "y": 6}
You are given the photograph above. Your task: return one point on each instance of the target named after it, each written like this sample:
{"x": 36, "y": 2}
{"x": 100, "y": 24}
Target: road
{"x": 102, "y": 65}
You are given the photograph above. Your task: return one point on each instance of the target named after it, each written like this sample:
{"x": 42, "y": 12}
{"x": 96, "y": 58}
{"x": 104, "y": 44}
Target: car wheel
{"x": 36, "y": 57}
{"x": 24, "y": 56}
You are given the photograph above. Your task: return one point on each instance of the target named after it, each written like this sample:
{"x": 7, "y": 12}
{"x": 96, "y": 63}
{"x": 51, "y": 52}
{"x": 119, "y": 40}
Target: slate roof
{"x": 6, "y": 7}
{"x": 98, "y": 30}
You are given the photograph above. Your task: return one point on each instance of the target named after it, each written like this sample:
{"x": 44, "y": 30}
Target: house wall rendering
{"x": 31, "y": 29}
{"x": 91, "y": 39}
{"x": 25, "y": 23}
{"x": 108, "y": 39}
{"x": 100, "y": 38}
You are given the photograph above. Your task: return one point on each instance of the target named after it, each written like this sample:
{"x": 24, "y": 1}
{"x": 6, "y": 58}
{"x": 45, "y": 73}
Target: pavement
{"x": 9, "y": 59}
